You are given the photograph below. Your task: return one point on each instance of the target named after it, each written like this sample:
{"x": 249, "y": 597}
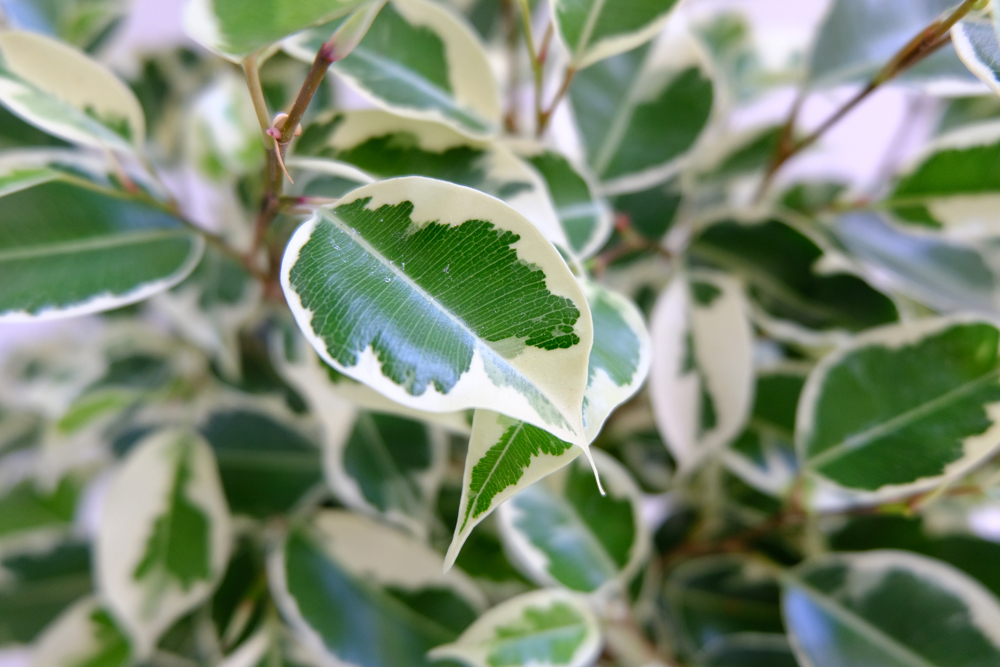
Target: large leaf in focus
{"x": 901, "y": 408}
{"x": 414, "y": 287}
{"x": 383, "y": 146}
{"x": 367, "y": 595}
{"x": 586, "y": 218}
{"x": 701, "y": 383}
{"x": 38, "y": 584}
{"x": 235, "y": 29}
{"x": 506, "y": 455}
{"x": 65, "y": 93}
{"x": 858, "y": 37}
{"x": 781, "y": 267}
{"x": 718, "y": 597}
{"x": 889, "y": 608}
{"x": 164, "y": 534}
{"x": 543, "y": 628}
{"x": 68, "y": 250}
{"x": 418, "y": 60}
{"x": 266, "y": 464}
{"x": 562, "y": 531}
{"x": 640, "y": 112}
{"x": 85, "y": 635}
{"x": 593, "y": 30}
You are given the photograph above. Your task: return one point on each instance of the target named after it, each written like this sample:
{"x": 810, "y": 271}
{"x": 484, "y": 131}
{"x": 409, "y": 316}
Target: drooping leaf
{"x": 701, "y": 383}
{"x": 85, "y": 635}
{"x": 796, "y": 299}
{"x": 383, "y": 145}
{"x": 366, "y": 595}
{"x": 418, "y": 60}
{"x": 593, "y": 30}
{"x": 164, "y": 534}
{"x": 640, "y": 112}
{"x": 235, "y": 29}
{"x": 428, "y": 322}
{"x": 888, "y": 608}
{"x": 506, "y": 455}
{"x": 60, "y": 90}
{"x": 562, "y": 531}
{"x": 543, "y": 628}
{"x": 68, "y": 250}
{"x": 900, "y": 409}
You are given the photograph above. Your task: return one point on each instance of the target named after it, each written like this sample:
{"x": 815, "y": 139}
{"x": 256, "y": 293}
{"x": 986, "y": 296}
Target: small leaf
{"x": 562, "y": 531}
{"x": 701, "y": 383}
{"x": 541, "y": 628}
{"x": 164, "y": 534}
{"x": 864, "y": 421}
{"x": 418, "y": 60}
{"x": 640, "y": 112}
{"x": 888, "y": 608}
{"x": 593, "y": 30}
{"x": 67, "y": 250}
{"x": 84, "y": 636}
{"x": 429, "y": 323}
{"x": 65, "y": 93}
{"x": 977, "y": 45}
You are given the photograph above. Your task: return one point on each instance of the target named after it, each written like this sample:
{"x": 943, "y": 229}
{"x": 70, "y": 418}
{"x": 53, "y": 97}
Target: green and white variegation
{"x": 888, "y": 608}
{"x": 593, "y": 30}
{"x": 419, "y": 60}
{"x": 543, "y": 628}
{"x": 563, "y": 532}
{"x": 977, "y": 45}
{"x": 641, "y": 112}
{"x": 863, "y": 431}
{"x": 85, "y": 634}
{"x": 222, "y": 135}
{"x": 506, "y": 455}
{"x": 235, "y": 30}
{"x": 702, "y": 379}
{"x": 393, "y": 288}
{"x": 164, "y": 535}
{"x": 323, "y": 177}
{"x": 384, "y": 145}
{"x": 383, "y": 601}
{"x": 65, "y": 93}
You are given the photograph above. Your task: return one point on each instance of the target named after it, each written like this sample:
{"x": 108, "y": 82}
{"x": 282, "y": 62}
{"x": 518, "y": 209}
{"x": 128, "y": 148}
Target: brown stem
{"x": 513, "y": 64}
{"x": 922, "y": 45}
{"x": 325, "y": 56}
{"x": 545, "y": 116}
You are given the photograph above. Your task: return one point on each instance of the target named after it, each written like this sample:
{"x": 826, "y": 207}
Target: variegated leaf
{"x": 593, "y": 30}
{"x": 86, "y": 634}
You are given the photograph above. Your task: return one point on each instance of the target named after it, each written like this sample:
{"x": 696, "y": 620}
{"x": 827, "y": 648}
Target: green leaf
{"x": 901, "y": 408}
{"x": 235, "y": 29}
{"x": 701, "y": 384}
{"x": 68, "y": 250}
{"x": 543, "y": 628}
{"x": 506, "y": 455}
{"x": 25, "y": 506}
{"x": 889, "y": 608}
{"x": 714, "y": 598}
{"x": 750, "y": 649}
{"x": 382, "y": 146}
{"x": 652, "y": 211}
{"x": 562, "y": 531}
{"x": 62, "y": 91}
{"x": 977, "y": 45}
{"x": 86, "y": 635}
{"x": 164, "y": 534}
{"x": 418, "y": 60}
{"x": 266, "y": 464}
{"x": 640, "y": 112}
{"x": 857, "y": 38}
{"x": 593, "y": 30}
{"x": 778, "y": 263}
{"x": 586, "y": 218}
{"x": 38, "y": 584}
{"x": 222, "y": 135}
{"x": 363, "y": 594}
{"x": 428, "y": 323}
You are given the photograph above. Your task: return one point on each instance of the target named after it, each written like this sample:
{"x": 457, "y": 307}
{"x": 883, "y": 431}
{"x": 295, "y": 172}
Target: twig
{"x": 535, "y": 56}
{"x": 545, "y": 116}
{"x": 513, "y": 65}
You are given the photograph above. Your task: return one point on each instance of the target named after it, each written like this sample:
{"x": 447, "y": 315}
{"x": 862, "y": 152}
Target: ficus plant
{"x": 482, "y": 332}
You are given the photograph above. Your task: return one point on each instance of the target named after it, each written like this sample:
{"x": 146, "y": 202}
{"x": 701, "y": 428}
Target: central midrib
{"x": 97, "y": 243}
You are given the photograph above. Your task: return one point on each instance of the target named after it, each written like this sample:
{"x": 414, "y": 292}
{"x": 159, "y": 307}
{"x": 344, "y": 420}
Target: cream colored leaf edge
{"x": 723, "y": 341}
{"x": 534, "y": 563}
{"x": 70, "y": 639}
{"x": 967, "y": 53}
{"x": 76, "y": 80}
{"x": 588, "y": 53}
{"x": 475, "y": 644}
{"x": 559, "y": 376}
{"x": 826, "y": 494}
{"x": 137, "y": 496}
